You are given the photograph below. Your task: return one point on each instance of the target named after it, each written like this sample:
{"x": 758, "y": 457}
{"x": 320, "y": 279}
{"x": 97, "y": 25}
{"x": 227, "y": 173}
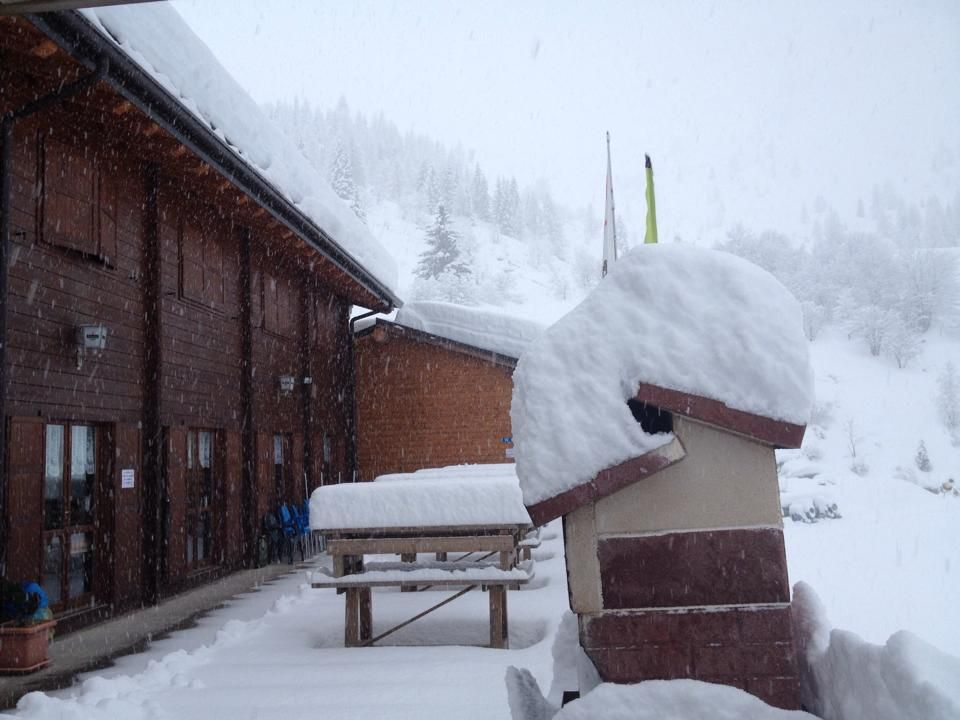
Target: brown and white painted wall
{"x": 683, "y": 574}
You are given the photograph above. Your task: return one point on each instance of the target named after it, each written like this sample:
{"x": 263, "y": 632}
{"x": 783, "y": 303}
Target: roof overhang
{"x": 607, "y": 482}
{"x": 383, "y": 329}
{"x": 21, "y": 7}
{"x": 776, "y": 433}
{"x": 76, "y": 35}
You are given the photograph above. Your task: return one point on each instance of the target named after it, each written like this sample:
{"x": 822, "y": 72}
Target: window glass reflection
{"x": 53, "y": 479}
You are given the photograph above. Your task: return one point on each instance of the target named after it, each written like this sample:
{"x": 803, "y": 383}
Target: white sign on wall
{"x": 126, "y": 478}
{"x": 508, "y": 452}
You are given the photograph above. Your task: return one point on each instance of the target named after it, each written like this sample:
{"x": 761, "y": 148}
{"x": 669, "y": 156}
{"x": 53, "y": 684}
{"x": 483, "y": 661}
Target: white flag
{"x": 609, "y": 220}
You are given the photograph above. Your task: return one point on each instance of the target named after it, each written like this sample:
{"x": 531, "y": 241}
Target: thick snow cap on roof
{"x": 155, "y": 37}
{"x": 481, "y": 328}
{"x": 699, "y": 321}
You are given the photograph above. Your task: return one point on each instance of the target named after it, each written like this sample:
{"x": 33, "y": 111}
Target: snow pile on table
{"x": 471, "y": 472}
{"x": 155, "y": 37}
{"x": 682, "y": 318}
{"x": 842, "y": 676}
{"x": 673, "y": 699}
{"x": 485, "y": 329}
{"x": 416, "y": 503}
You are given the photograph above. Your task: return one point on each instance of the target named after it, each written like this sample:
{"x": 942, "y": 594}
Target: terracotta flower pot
{"x": 24, "y": 649}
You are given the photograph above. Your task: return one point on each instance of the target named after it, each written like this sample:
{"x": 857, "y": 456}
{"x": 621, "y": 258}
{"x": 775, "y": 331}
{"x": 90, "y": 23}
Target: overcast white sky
{"x": 749, "y": 109}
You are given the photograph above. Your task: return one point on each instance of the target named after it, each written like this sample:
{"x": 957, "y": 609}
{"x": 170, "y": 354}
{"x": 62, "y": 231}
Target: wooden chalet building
{"x": 176, "y": 355}
{"x": 434, "y": 388}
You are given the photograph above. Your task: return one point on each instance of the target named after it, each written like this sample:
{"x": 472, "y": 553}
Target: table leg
{"x": 499, "y": 633}
{"x": 366, "y": 614}
{"x": 351, "y": 623}
{"x": 408, "y": 558}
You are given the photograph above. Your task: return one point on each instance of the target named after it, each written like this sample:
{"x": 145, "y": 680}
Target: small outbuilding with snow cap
{"x": 434, "y": 387}
{"x": 648, "y": 418}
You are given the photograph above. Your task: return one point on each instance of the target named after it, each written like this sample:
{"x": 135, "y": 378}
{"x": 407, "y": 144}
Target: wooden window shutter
{"x": 271, "y": 302}
{"x": 232, "y": 530}
{"x": 256, "y": 299}
{"x": 213, "y": 264}
{"x": 69, "y": 196}
{"x": 127, "y": 521}
{"x": 108, "y": 214}
{"x": 175, "y": 466}
{"x": 265, "y": 489}
{"x": 191, "y": 262}
{"x": 25, "y": 464}
{"x": 285, "y": 307}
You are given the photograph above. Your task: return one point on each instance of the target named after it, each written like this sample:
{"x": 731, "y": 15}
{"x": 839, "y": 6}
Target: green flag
{"x": 651, "y": 236}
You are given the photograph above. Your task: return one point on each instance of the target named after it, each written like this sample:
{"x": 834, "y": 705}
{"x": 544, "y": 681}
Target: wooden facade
{"x": 426, "y": 401}
{"x": 147, "y": 466}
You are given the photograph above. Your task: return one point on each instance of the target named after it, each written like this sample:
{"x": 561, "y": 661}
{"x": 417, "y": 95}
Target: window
{"x": 326, "y": 317}
{"x": 282, "y": 471}
{"x": 201, "y": 262}
{"x": 200, "y": 497}
{"x": 69, "y": 482}
{"x": 79, "y": 200}
{"x": 279, "y": 305}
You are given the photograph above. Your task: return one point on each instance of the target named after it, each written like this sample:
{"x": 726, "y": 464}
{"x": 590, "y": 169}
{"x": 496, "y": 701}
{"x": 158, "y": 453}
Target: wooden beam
{"x": 122, "y": 108}
{"x": 45, "y": 49}
{"x": 403, "y": 546}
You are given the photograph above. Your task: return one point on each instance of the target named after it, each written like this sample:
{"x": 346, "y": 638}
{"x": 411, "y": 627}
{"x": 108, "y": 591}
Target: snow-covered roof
{"x": 415, "y": 502}
{"x": 480, "y": 328}
{"x": 698, "y": 321}
{"x": 155, "y": 37}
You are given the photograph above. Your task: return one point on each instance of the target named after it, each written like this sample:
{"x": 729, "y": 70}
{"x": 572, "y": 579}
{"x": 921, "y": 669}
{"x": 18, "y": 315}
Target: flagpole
{"x": 609, "y": 219}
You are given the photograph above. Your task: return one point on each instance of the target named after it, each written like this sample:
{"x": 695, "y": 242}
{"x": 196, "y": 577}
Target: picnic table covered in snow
{"x": 478, "y": 515}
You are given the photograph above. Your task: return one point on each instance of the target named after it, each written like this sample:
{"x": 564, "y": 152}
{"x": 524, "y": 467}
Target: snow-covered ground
{"x": 289, "y": 660}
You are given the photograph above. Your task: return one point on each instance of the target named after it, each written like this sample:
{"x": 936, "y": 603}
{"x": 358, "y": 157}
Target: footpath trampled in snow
{"x": 291, "y": 660}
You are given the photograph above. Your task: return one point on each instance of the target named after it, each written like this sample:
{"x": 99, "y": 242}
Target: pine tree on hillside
{"x": 442, "y": 253}
{"x": 341, "y": 179}
{"x": 480, "y": 194}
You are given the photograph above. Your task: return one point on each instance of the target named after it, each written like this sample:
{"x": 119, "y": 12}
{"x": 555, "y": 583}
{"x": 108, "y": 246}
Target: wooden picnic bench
{"x": 357, "y": 578}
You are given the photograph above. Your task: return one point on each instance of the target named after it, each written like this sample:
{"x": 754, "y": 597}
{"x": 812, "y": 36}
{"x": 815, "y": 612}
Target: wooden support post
{"x": 351, "y": 621}
{"x": 499, "y": 632}
{"x": 408, "y": 558}
{"x": 366, "y": 614}
{"x": 441, "y": 557}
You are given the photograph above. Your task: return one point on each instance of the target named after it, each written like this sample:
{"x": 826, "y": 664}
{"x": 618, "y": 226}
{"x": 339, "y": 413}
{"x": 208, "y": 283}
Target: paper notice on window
{"x": 126, "y": 478}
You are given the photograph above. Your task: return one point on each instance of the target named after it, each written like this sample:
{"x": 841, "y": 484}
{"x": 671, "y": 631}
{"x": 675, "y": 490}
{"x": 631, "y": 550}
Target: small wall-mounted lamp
{"x": 287, "y": 383}
{"x": 89, "y": 338}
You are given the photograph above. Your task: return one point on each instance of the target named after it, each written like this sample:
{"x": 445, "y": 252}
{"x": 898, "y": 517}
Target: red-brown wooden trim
{"x": 607, "y": 482}
{"x": 750, "y": 647}
{"x": 778, "y": 433}
{"x": 682, "y": 569}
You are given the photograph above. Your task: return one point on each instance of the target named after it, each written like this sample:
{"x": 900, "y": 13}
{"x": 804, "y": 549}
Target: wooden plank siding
{"x": 207, "y": 301}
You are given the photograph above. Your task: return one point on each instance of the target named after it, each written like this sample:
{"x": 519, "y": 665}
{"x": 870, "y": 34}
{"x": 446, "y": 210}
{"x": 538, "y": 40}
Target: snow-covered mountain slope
{"x": 890, "y": 561}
